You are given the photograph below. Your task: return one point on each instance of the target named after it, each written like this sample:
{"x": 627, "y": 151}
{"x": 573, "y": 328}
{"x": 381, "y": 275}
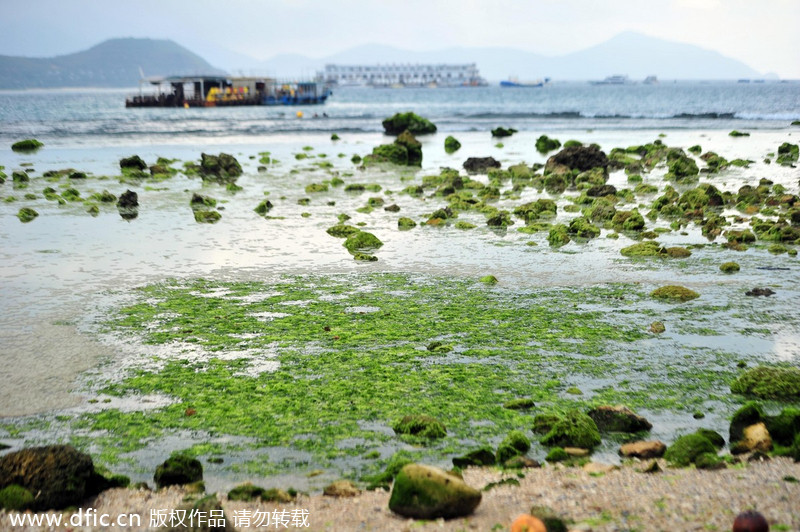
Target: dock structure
{"x": 403, "y": 75}
{"x": 222, "y": 91}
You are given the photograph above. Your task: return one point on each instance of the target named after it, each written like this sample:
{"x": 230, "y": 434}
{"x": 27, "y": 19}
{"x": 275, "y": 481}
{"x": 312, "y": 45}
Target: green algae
{"x": 674, "y": 293}
{"x": 770, "y": 382}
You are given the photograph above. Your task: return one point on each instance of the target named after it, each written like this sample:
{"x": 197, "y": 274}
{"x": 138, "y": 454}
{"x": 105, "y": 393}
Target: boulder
{"x": 128, "y": 200}
{"x": 755, "y": 438}
{"x": 133, "y": 162}
{"x": 177, "y": 470}
{"x": 425, "y": 492}
{"x": 618, "y": 419}
{"x": 643, "y": 449}
{"x": 480, "y": 165}
{"x": 223, "y": 167}
{"x": 573, "y": 429}
{"x": 341, "y": 488}
{"x": 580, "y": 158}
{"x": 57, "y": 476}
{"x": 411, "y": 122}
{"x": 412, "y": 146}
{"x": 419, "y": 425}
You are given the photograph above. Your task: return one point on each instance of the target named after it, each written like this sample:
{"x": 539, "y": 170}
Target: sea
{"x": 64, "y": 272}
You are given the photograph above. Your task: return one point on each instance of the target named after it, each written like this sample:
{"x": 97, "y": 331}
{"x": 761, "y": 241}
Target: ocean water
{"x": 61, "y": 272}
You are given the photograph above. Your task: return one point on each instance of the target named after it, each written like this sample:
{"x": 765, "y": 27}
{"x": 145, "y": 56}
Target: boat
{"x": 650, "y": 80}
{"x": 222, "y": 91}
{"x": 514, "y": 82}
{"x": 616, "y": 79}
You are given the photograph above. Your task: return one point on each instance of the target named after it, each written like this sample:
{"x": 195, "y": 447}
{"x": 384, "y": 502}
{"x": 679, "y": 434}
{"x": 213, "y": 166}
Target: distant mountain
{"x": 628, "y": 53}
{"x": 112, "y": 63}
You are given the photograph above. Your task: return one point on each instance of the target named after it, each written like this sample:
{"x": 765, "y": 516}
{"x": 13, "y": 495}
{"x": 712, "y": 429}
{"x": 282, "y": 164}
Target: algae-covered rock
{"x": 177, "y": 470}
{"x": 341, "y": 488}
{"x": 479, "y": 457}
{"x": 342, "y": 230}
{"x": 503, "y": 131}
{"x": 686, "y": 449}
{"x": 545, "y": 144}
{"x": 58, "y": 476}
{"x": 128, "y": 200}
{"x": 713, "y": 436}
{"x": 412, "y": 146}
{"x": 618, "y": 419}
{"x": 133, "y": 162}
{"x": 451, "y": 144}
{"x": 748, "y": 414}
{"x": 223, "y": 168}
{"x": 709, "y": 461}
{"x": 263, "y": 208}
{"x": 785, "y": 426}
{"x": 406, "y": 223}
{"x": 316, "y": 187}
{"x": 199, "y": 202}
{"x": 573, "y": 429}
{"x": 557, "y": 454}
{"x": 674, "y": 293}
{"x": 488, "y": 279}
{"x": 558, "y": 235}
{"x": 480, "y": 165}
{"x": 788, "y": 154}
{"x": 533, "y": 211}
{"x": 523, "y": 403}
{"x": 411, "y": 122}
{"x": 736, "y": 133}
{"x": 26, "y": 214}
{"x": 362, "y": 241}
{"x": 681, "y": 167}
{"x": 420, "y": 425}
{"x": 388, "y": 153}
{"x": 16, "y": 498}
{"x": 773, "y": 382}
{"x": 581, "y": 227}
{"x": 204, "y": 216}
{"x": 249, "y": 492}
{"x": 580, "y": 158}
{"x": 364, "y": 257}
{"x": 27, "y": 145}
{"x": 514, "y": 444}
{"x": 425, "y": 492}
{"x": 729, "y": 267}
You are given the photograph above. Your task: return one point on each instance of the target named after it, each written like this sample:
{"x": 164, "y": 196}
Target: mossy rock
{"x": 514, "y": 444}
{"x": 503, "y": 132}
{"x": 410, "y": 122}
{"x": 128, "y": 200}
{"x": 342, "y": 230}
{"x": 736, "y": 133}
{"x": 524, "y": 403}
{"x": 488, "y": 279}
{"x": 748, "y": 414}
{"x": 412, "y": 146}
{"x": 712, "y": 436}
{"x": 425, "y": 492}
{"x": 178, "y": 469}
{"x": 133, "y": 162}
{"x": 581, "y": 227}
{"x": 648, "y": 248}
{"x": 388, "y": 153}
{"x": 364, "y": 257}
{"x": 362, "y": 241}
{"x": 729, "y": 267}
{"x": 207, "y": 217}
{"x": 406, "y": 223}
{"x": 557, "y": 454}
{"x": 573, "y": 429}
{"x": 26, "y": 214}
{"x": 788, "y": 154}
{"x": 420, "y": 425}
{"x": 264, "y": 207}
{"x": 558, "y": 235}
{"x": 245, "y": 492}
{"x": 27, "y": 145}
{"x": 618, "y": 419}
{"x": 16, "y": 498}
{"x": 785, "y": 426}
{"x": 771, "y": 382}
{"x": 479, "y": 457}
{"x": 316, "y": 187}
{"x": 674, "y": 293}
{"x": 545, "y": 144}
{"x": 533, "y": 211}
{"x": 686, "y": 449}
{"x": 223, "y": 168}
{"x": 451, "y": 144}
{"x": 341, "y": 488}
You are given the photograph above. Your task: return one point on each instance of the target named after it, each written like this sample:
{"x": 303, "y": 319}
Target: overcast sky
{"x": 764, "y": 34}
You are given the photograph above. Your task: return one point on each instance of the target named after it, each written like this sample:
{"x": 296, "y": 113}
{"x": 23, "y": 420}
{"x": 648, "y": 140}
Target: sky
{"x": 764, "y": 34}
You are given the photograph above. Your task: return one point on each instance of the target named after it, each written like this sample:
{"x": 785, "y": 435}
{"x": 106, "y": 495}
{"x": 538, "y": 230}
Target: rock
{"x": 222, "y": 168}
{"x": 128, "y": 200}
{"x": 573, "y": 429}
{"x": 755, "y": 438}
{"x": 177, "y": 470}
{"x": 411, "y": 122}
{"x": 362, "y": 241}
{"x": 553, "y": 521}
{"x": 598, "y": 468}
{"x": 748, "y": 414}
{"x": 263, "y": 208}
{"x": 618, "y": 419}
{"x": 788, "y": 153}
{"x": 27, "y": 145}
{"x": 342, "y": 230}
{"x": 488, "y": 279}
{"x": 521, "y": 462}
{"x": 685, "y": 449}
{"x": 26, "y": 214}
{"x": 425, "y": 492}
{"x": 769, "y": 382}
{"x": 757, "y": 292}
{"x": 785, "y": 426}
{"x": 406, "y": 223}
{"x": 524, "y": 403}
{"x": 389, "y": 153}
{"x": 515, "y": 444}
{"x": 714, "y": 437}
{"x": 133, "y": 162}
{"x": 674, "y": 293}
{"x": 503, "y": 132}
{"x": 533, "y": 211}
{"x": 558, "y": 235}
{"x": 651, "y": 466}
{"x": 545, "y": 144}
{"x": 576, "y": 452}
{"x": 480, "y": 165}
{"x": 729, "y": 267}
{"x": 643, "y": 449}
{"x": 57, "y": 476}
{"x": 451, "y": 144}
{"x": 601, "y": 190}
{"x": 341, "y": 488}
{"x": 580, "y": 158}
{"x": 245, "y": 492}
{"x": 419, "y": 425}
{"x": 657, "y": 327}
{"x": 479, "y": 457}
{"x": 206, "y": 217}
{"x": 392, "y": 208}
{"x": 736, "y": 133}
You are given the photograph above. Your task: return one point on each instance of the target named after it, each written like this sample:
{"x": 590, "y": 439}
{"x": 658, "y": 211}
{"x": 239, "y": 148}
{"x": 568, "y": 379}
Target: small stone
{"x": 341, "y": 488}
{"x": 643, "y": 449}
{"x": 576, "y": 452}
{"x": 657, "y": 327}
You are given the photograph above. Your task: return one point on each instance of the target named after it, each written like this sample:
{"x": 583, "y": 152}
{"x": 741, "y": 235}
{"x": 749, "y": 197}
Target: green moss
{"x": 316, "y": 187}
{"x": 514, "y": 444}
{"x": 178, "y": 469}
{"x": 420, "y": 425}
{"x": 696, "y": 149}
{"x": 410, "y": 122}
{"x": 27, "y": 145}
{"x": 451, "y": 144}
{"x": 557, "y": 454}
{"x": 712, "y": 436}
{"x": 342, "y": 230}
{"x": 207, "y": 217}
{"x": 736, "y": 133}
{"x": 503, "y": 132}
{"x": 729, "y": 267}
{"x": 686, "y": 449}
{"x": 573, "y": 429}
{"x": 773, "y": 382}
{"x": 674, "y": 293}
{"x": 15, "y": 498}
{"x": 26, "y": 214}
{"x": 545, "y": 144}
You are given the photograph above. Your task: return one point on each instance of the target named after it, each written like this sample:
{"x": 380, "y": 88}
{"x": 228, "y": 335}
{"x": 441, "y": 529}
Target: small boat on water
{"x": 221, "y": 91}
{"x": 514, "y": 82}
{"x": 650, "y": 80}
{"x": 617, "y": 79}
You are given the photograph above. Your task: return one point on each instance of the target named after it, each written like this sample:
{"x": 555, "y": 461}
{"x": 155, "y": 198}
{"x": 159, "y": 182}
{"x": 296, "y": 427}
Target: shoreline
{"x": 620, "y": 499}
